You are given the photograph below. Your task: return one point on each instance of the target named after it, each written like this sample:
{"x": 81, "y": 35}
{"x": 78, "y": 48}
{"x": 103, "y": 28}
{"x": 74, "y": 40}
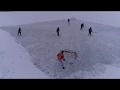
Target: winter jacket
{"x": 57, "y": 30}
{"x": 60, "y": 56}
{"x": 90, "y": 30}
{"x": 19, "y": 30}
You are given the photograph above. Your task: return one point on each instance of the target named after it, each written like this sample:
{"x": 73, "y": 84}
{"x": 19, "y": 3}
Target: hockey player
{"x": 58, "y": 31}
{"x": 90, "y": 30}
{"x": 60, "y": 57}
{"x": 82, "y": 25}
{"x": 19, "y": 31}
{"x": 68, "y": 21}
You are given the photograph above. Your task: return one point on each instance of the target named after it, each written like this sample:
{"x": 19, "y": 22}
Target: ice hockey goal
{"x": 70, "y": 53}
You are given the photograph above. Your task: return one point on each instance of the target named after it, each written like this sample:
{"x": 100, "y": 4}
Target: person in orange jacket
{"x": 60, "y": 57}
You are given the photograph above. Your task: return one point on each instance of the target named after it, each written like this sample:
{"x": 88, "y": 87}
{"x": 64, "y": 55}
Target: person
{"x": 82, "y": 25}
{"x": 68, "y": 21}
{"x": 58, "y": 31}
{"x": 60, "y": 57}
{"x": 19, "y": 31}
{"x": 90, "y": 30}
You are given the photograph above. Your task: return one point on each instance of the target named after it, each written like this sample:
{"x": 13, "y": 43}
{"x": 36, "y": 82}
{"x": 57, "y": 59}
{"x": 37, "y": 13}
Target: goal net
{"x": 70, "y": 54}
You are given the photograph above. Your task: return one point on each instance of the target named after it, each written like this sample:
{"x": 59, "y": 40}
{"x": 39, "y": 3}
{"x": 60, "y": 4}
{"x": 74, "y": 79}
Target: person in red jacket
{"x": 60, "y": 57}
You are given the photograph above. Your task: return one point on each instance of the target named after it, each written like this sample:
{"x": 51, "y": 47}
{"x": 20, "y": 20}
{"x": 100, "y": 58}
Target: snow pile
{"x": 94, "y": 52}
{"x": 15, "y": 61}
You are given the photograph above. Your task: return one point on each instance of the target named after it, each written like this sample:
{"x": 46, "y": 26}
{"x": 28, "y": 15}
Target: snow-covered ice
{"x": 96, "y": 53}
{"x": 110, "y": 73}
{"x": 15, "y": 61}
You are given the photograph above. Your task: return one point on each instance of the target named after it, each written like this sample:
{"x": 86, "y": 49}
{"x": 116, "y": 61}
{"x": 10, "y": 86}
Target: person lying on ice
{"x": 60, "y": 57}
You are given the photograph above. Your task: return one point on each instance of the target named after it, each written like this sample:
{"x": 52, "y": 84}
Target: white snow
{"x": 15, "y": 61}
{"x": 111, "y": 72}
{"x": 24, "y": 17}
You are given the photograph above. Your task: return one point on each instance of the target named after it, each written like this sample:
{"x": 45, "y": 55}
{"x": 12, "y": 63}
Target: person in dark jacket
{"x": 90, "y": 30}
{"x": 82, "y": 25}
{"x": 68, "y": 21}
{"x": 19, "y": 31}
{"x": 58, "y": 31}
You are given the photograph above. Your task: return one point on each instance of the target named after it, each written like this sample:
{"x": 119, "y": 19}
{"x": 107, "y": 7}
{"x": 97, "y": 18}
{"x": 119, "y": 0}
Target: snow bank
{"x": 15, "y": 61}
